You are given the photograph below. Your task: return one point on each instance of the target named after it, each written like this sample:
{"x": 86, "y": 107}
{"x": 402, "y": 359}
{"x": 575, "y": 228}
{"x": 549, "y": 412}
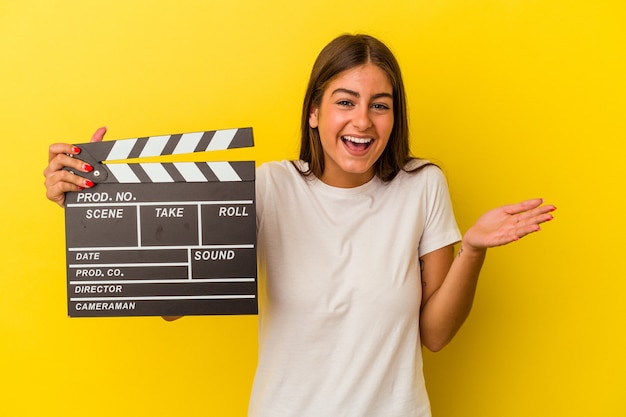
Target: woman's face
{"x": 354, "y": 121}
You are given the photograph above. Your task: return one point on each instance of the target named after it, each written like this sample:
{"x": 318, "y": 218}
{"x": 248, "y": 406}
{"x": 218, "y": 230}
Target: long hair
{"x": 342, "y": 54}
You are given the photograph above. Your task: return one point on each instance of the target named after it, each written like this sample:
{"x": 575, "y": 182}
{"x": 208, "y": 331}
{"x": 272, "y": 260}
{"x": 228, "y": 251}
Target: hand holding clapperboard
{"x": 163, "y": 238}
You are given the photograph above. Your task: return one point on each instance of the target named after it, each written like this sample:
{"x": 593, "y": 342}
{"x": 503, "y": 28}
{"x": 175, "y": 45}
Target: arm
{"x": 449, "y": 283}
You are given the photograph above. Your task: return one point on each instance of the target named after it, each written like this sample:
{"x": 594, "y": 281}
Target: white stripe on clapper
{"x": 154, "y": 146}
{"x": 190, "y": 171}
{"x": 224, "y": 171}
{"x": 156, "y": 172}
{"x": 221, "y": 139}
{"x": 121, "y": 149}
{"x": 123, "y": 174}
{"x": 188, "y": 143}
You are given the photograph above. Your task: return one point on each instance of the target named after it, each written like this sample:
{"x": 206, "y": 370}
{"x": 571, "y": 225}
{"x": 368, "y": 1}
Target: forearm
{"x": 446, "y": 310}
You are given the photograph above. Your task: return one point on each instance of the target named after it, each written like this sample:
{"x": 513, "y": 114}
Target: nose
{"x": 362, "y": 119}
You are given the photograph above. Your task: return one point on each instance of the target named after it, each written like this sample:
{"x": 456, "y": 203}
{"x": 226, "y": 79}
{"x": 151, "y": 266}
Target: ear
{"x": 313, "y": 117}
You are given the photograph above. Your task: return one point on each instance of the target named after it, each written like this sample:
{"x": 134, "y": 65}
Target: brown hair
{"x": 342, "y": 54}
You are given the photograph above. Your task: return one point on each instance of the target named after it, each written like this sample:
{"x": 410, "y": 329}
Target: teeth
{"x": 357, "y": 140}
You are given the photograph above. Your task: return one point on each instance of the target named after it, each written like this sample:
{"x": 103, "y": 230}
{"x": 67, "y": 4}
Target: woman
{"x": 355, "y": 246}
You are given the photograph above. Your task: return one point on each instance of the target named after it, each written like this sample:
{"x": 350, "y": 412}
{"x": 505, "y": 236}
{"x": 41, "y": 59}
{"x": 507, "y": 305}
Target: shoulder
{"x": 417, "y": 163}
{"x": 277, "y": 170}
{"x": 268, "y": 168}
{"x": 426, "y": 180}
{"x": 421, "y": 170}
{"x": 279, "y": 184}
{"x": 276, "y": 175}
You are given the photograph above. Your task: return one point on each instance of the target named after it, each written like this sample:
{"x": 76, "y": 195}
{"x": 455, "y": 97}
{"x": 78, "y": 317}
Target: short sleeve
{"x": 441, "y": 228}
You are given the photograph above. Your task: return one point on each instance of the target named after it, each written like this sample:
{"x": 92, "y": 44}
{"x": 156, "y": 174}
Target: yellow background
{"x": 514, "y": 99}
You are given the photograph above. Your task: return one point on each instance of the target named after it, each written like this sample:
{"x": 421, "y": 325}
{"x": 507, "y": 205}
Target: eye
{"x": 380, "y": 106}
{"x": 344, "y": 103}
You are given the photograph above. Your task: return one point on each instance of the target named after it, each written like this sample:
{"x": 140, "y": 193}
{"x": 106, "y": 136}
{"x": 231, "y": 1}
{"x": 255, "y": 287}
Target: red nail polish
{"x": 75, "y": 149}
{"x": 87, "y": 167}
{"x": 80, "y": 188}
{"x": 89, "y": 183}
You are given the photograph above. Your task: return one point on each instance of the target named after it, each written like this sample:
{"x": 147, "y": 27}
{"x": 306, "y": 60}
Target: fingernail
{"x": 81, "y": 188}
{"x": 87, "y": 167}
{"x": 75, "y": 149}
{"x": 89, "y": 183}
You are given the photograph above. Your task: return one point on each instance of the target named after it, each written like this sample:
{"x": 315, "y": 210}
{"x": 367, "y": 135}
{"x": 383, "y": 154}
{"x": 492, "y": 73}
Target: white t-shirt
{"x": 340, "y": 292}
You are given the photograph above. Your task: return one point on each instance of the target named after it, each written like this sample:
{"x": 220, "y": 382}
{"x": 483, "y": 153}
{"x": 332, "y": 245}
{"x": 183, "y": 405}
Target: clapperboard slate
{"x": 163, "y": 238}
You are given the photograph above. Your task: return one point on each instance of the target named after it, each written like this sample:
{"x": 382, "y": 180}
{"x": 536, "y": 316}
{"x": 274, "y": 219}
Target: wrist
{"x": 468, "y": 249}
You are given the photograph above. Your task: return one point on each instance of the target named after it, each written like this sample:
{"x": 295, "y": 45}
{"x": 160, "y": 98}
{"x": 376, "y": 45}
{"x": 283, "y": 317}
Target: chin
{"x": 358, "y": 169}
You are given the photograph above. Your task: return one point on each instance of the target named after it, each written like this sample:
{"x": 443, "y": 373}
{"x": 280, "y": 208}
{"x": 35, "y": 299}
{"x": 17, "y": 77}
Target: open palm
{"x": 508, "y": 223}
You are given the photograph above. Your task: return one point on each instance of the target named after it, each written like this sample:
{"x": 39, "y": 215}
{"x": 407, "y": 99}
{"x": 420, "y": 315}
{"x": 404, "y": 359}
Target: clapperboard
{"x": 156, "y": 238}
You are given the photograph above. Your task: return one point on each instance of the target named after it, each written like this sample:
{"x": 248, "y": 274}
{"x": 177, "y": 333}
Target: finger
{"x": 62, "y": 148}
{"x": 523, "y": 206}
{"x": 69, "y": 149}
{"x": 539, "y": 214}
{"x": 98, "y": 134}
{"x": 60, "y": 182}
{"x": 56, "y": 193}
{"x": 548, "y": 208}
{"x": 542, "y": 218}
{"x": 62, "y": 160}
{"x": 59, "y": 178}
{"x": 527, "y": 230}
{"x": 533, "y": 224}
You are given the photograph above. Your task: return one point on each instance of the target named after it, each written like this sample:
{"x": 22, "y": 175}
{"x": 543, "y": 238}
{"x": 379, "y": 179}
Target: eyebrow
{"x": 356, "y": 94}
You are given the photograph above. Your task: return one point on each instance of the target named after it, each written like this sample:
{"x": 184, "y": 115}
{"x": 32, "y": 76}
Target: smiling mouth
{"x": 357, "y": 144}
